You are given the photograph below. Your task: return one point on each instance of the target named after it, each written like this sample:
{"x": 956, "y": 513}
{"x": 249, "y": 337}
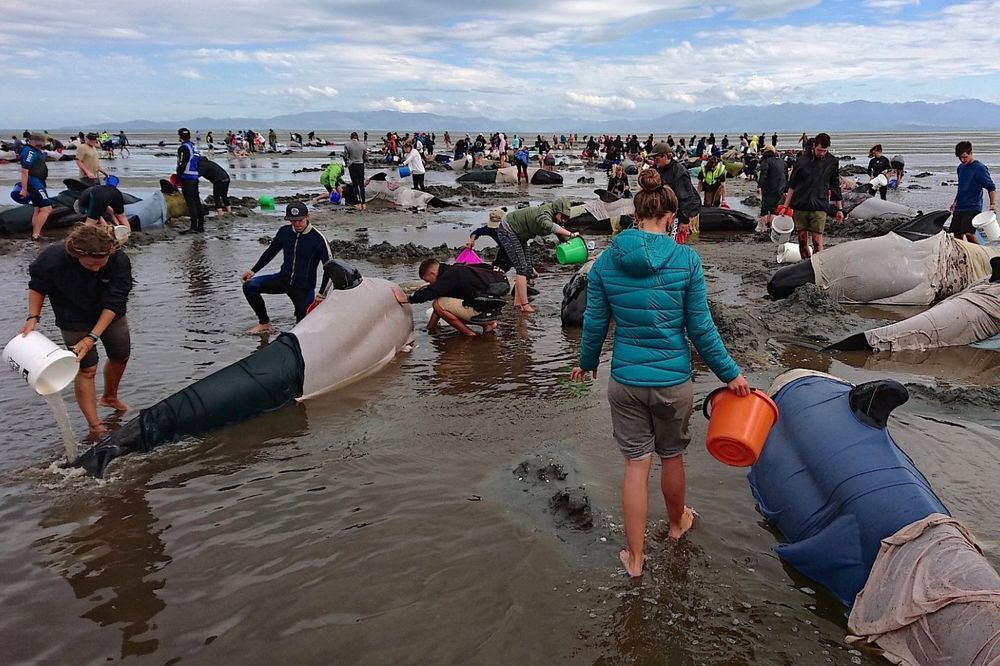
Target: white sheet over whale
{"x": 399, "y": 195}
{"x": 892, "y": 270}
{"x": 351, "y": 334}
{"x": 966, "y": 317}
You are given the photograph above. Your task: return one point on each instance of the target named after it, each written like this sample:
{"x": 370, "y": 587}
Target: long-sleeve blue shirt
{"x": 973, "y": 178}
{"x": 301, "y": 255}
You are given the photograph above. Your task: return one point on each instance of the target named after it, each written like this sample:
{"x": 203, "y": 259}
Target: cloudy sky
{"x": 68, "y": 63}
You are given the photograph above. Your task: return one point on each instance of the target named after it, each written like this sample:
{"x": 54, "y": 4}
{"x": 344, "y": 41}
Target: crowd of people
{"x": 648, "y": 282}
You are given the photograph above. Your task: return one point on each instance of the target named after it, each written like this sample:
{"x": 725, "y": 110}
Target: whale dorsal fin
{"x": 872, "y": 402}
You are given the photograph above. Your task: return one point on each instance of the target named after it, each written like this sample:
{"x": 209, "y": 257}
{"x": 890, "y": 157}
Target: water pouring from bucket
{"x": 782, "y": 227}
{"x": 48, "y": 369}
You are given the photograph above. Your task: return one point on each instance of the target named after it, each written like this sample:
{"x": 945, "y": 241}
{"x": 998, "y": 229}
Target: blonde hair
{"x": 90, "y": 241}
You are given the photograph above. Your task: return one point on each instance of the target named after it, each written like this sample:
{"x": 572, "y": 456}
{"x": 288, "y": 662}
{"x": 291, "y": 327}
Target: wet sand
{"x": 438, "y": 511}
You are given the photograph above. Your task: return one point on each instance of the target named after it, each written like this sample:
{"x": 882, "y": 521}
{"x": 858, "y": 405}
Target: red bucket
{"x": 738, "y": 426}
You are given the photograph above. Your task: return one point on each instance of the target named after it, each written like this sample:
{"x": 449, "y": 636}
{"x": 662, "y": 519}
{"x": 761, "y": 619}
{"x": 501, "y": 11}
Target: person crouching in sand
{"x": 654, "y": 289}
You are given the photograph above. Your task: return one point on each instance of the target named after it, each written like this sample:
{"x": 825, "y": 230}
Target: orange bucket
{"x": 738, "y": 426}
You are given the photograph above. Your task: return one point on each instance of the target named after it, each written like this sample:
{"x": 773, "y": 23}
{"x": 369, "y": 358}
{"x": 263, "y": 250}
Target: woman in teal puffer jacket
{"x": 655, "y": 290}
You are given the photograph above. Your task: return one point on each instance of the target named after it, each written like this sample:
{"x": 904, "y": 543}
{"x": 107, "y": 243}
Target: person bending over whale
{"x": 303, "y": 249}
{"x": 455, "y": 290}
{"x": 98, "y": 200}
{"x": 519, "y": 227}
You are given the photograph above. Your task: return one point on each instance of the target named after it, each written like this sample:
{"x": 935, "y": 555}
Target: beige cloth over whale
{"x": 966, "y": 317}
{"x": 931, "y": 598}
{"x": 508, "y": 175}
{"x": 399, "y": 195}
{"x": 350, "y": 334}
{"x": 892, "y": 270}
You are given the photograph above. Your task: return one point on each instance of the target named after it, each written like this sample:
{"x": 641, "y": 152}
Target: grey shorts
{"x": 116, "y": 339}
{"x": 648, "y": 419}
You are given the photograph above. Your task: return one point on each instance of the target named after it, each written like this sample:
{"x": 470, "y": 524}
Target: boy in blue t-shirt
{"x": 34, "y": 171}
{"x": 973, "y": 178}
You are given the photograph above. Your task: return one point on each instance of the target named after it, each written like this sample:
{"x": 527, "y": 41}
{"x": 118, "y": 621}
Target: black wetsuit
{"x": 95, "y": 200}
{"x": 876, "y": 166}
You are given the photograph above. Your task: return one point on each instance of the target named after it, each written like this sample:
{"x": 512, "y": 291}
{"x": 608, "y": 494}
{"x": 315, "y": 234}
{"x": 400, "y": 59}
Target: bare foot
{"x": 98, "y": 430}
{"x": 490, "y": 328}
{"x": 687, "y": 520}
{"x": 525, "y": 307}
{"x": 633, "y": 569}
{"x": 114, "y": 403}
{"x": 261, "y": 329}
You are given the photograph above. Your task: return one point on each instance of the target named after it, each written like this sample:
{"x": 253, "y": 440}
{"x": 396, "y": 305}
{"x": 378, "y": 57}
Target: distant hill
{"x": 859, "y": 116}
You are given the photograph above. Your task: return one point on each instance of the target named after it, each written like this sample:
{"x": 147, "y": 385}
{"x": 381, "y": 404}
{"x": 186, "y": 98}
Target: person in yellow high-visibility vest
{"x": 712, "y": 181}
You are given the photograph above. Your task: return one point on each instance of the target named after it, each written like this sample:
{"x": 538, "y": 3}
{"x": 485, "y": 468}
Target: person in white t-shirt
{"x": 416, "y": 164}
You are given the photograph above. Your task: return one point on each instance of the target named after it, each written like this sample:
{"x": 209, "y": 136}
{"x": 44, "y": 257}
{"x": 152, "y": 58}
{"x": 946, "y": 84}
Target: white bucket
{"x": 879, "y": 181}
{"x": 47, "y": 367}
{"x": 782, "y": 227}
{"x": 122, "y": 233}
{"x": 987, "y": 223}
{"x": 789, "y": 254}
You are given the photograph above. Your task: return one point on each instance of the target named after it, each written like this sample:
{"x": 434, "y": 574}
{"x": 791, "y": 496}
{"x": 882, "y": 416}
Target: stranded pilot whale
{"x": 352, "y": 333}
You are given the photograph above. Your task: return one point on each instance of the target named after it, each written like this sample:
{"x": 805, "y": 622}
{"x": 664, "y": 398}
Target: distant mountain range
{"x": 858, "y": 116}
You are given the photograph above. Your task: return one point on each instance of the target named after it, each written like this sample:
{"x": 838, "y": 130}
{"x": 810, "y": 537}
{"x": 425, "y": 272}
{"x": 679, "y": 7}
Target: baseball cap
{"x": 296, "y": 211}
{"x": 184, "y": 133}
{"x": 661, "y": 149}
{"x": 91, "y": 135}
{"x": 768, "y": 148}
{"x": 35, "y": 136}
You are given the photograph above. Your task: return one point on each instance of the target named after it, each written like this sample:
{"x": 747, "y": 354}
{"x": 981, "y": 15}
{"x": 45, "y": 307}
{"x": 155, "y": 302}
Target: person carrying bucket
{"x": 87, "y": 281}
{"x": 654, "y": 289}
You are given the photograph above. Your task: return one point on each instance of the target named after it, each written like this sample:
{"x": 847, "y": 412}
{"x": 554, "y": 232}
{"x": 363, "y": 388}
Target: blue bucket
{"x": 404, "y": 171}
{"x": 112, "y": 180}
{"x": 18, "y": 196}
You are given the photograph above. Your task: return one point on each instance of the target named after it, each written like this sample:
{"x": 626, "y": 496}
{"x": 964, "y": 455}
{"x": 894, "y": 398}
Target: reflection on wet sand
{"x": 116, "y": 561}
{"x": 956, "y": 364}
{"x": 116, "y": 558}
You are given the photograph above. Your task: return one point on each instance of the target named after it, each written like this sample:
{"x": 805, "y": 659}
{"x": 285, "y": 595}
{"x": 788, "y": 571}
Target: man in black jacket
{"x": 451, "y": 287}
{"x": 814, "y": 184}
{"x": 676, "y": 176}
{"x": 771, "y": 184}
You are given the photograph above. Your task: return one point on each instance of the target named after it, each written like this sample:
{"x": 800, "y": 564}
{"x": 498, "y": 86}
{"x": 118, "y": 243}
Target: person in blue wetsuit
{"x": 34, "y": 171}
{"x": 188, "y": 158}
{"x": 654, "y": 289}
{"x": 303, "y": 249}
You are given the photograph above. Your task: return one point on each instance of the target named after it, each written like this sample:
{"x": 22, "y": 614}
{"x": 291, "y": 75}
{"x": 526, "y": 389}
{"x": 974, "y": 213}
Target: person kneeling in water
{"x": 99, "y": 200}
{"x": 456, "y": 291}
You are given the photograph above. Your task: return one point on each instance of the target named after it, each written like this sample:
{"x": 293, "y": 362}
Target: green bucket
{"x": 266, "y": 202}
{"x": 573, "y": 251}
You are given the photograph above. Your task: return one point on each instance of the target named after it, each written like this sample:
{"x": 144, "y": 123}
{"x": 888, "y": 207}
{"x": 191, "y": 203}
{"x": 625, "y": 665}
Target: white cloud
{"x": 600, "y": 101}
{"x": 310, "y": 93}
{"x": 189, "y": 74}
{"x": 402, "y": 104}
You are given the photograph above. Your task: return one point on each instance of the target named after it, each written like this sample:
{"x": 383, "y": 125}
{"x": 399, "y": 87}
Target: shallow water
{"x": 389, "y": 521}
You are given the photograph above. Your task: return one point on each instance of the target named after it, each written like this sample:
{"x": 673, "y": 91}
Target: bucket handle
{"x": 708, "y": 399}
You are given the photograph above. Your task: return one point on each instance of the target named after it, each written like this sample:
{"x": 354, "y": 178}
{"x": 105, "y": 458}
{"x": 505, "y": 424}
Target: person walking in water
{"x": 654, "y": 290}
{"x": 973, "y": 178}
{"x": 354, "y": 158}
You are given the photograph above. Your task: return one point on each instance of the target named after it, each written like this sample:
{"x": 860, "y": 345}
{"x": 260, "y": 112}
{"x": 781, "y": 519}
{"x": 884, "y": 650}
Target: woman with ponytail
{"x": 654, "y": 289}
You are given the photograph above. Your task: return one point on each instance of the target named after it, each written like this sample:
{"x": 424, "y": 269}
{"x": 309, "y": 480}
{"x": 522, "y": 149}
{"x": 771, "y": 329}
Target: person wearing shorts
{"x": 814, "y": 184}
{"x": 34, "y": 171}
{"x": 973, "y": 178}
{"x": 87, "y": 281}
{"x": 97, "y": 201}
{"x": 654, "y": 290}
{"x": 450, "y": 286}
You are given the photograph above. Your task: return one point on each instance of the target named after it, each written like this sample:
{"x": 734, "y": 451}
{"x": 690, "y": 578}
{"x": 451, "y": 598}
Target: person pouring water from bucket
{"x": 87, "y": 281}
{"x": 654, "y": 289}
